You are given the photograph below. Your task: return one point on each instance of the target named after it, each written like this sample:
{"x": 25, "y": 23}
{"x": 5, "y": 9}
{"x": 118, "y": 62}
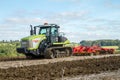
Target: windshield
{"x": 44, "y": 31}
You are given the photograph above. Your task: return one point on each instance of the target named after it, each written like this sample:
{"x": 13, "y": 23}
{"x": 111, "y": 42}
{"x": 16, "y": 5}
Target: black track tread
{"x": 49, "y": 53}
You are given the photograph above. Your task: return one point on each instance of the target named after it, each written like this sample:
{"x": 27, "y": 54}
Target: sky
{"x": 78, "y": 19}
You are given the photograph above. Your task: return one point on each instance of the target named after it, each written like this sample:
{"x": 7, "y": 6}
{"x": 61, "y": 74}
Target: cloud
{"x": 101, "y": 20}
{"x": 28, "y": 21}
{"x": 91, "y": 35}
{"x": 10, "y": 31}
{"x": 77, "y": 31}
{"x": 72, "y": 15}
{"x": 99, "y": 28}
{"x": 75, "y": 24}
{"x": 114, "y": 23}
{"x": 104, "y": 24}
{"x": 23, "y": 20}
{"x": 13, "y": 35}
{"x": 110, "y": 4}
{"x": 55, "y": 18}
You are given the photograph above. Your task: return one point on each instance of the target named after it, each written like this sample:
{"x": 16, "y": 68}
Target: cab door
{"x": 54, "y": 34}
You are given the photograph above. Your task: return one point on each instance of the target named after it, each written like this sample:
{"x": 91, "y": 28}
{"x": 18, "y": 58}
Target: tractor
{"x": 45, "y": 41}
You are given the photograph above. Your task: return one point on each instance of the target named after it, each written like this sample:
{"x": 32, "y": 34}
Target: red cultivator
{"x": 93, "y": 50}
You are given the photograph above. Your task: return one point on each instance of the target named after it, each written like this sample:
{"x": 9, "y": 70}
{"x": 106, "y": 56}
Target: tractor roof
{"x": 48, "y": 25}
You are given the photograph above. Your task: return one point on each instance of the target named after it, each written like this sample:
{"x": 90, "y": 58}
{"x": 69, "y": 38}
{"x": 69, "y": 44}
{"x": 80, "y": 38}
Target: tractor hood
{"x": 34, "y": 37}
{"x": 32, "y": 42}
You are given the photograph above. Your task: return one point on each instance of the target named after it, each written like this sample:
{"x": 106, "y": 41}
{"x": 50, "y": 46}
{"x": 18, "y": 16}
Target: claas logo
{"x": 35, "y": 41}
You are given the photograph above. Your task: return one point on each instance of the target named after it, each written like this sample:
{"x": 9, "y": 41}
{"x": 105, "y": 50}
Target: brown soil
{"x": 26, "y": 62}
{"x": 109, "y": 75}
{"x": 57, "y": 70}
{"x": 12, "y": 58}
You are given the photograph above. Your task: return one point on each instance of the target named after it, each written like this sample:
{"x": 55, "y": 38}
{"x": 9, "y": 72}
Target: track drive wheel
{"x": 68, "y": 52}
{"x": 57, "y": 55}
{"x": 49, "y": 54}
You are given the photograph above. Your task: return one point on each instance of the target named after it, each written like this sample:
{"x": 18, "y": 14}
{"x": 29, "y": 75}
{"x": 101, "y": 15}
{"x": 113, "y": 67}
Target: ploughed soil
{"x": 109, "y": 75}
{"x": 13, "y": 58}
{"x": 58, "y": 70}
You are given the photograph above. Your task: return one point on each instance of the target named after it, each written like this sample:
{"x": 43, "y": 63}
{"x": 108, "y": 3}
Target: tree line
{"x": 100, "y": 42}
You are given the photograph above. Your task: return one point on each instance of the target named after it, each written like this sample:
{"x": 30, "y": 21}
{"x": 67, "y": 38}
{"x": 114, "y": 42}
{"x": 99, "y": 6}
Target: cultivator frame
{"x": 91, "y": 50}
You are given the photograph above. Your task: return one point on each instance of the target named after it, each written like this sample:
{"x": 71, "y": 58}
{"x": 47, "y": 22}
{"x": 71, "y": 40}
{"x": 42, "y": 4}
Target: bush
{"x": 9, "y": 49}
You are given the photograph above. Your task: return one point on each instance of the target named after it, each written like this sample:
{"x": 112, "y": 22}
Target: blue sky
{"x": 79, "y": 19}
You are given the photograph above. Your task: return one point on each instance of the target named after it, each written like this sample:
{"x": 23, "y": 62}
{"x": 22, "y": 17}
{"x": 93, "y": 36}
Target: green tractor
{"x": 45, "y": 41}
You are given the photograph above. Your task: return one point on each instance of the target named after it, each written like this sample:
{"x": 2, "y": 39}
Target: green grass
{"x": 114, "y": 47}
{"x": 9, "y": 50}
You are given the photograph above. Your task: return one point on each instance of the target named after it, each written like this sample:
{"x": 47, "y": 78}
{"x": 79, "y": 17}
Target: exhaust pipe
{"x": 31, "y": 31}
{"x": 35, "y": 30}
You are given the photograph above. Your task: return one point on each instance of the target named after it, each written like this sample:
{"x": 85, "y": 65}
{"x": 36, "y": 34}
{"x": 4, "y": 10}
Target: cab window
{"x": 44, "y": 31}
{"x": 54, "y": 31}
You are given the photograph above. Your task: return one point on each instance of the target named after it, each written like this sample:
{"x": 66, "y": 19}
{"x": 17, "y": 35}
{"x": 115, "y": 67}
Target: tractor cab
{"x": 51, "y": 31}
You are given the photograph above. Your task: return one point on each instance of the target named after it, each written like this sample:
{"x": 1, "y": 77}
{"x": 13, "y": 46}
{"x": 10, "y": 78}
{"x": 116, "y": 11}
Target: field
{"x": 113, "y": 47}
{"x": 14, "y": 66}
{"x": 63, "y": 69}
